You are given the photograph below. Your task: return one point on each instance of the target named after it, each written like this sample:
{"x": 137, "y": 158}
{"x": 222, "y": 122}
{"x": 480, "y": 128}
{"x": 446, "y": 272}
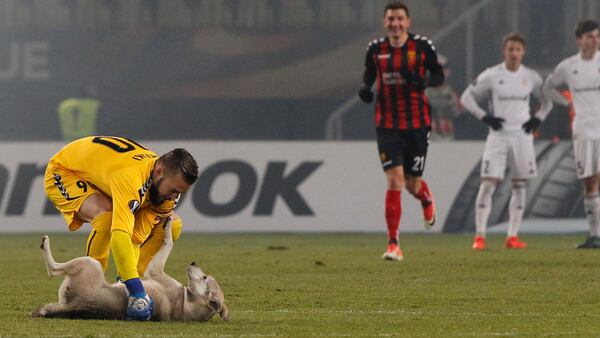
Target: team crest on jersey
{"x": 134, "y": 205}
{"x": 412, "y": 56}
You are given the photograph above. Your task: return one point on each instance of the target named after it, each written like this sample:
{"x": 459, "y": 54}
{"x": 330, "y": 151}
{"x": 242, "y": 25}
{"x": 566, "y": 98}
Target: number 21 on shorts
{"x": 418, "y": 163}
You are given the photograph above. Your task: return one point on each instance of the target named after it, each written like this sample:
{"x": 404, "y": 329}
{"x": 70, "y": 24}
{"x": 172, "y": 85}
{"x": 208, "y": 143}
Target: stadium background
{"x": 266, "y": 87}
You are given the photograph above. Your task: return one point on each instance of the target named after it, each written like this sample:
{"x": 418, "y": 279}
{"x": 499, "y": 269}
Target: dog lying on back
{"x": 85, "y": 294}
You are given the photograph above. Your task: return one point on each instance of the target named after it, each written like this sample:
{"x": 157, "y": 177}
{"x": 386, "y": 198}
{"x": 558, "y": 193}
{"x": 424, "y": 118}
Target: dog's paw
{"x": 40, "y": 312}
{"x": 45, "y": 242}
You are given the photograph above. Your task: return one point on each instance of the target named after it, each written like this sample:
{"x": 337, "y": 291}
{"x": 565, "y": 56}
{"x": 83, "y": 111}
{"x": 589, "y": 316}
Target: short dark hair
{"x": 513, "y": 36}
{"x": 396, "y": 5}
{"x": 180, "y": 161}
{"x": 584, "y": 26}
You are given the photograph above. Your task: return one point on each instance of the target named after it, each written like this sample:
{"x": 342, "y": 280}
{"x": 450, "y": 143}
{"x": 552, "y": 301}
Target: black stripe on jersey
{"x": 90, "y": 243}
{"x": 407, "y": 109}
{"x": 380, "y": 96}
{"x": 491, "y": 102}
{"x": 393, "y": 89}
{"x": 421, "y": 108}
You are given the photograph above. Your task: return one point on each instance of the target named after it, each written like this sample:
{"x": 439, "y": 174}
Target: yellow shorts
{"x": 67, "y": 191}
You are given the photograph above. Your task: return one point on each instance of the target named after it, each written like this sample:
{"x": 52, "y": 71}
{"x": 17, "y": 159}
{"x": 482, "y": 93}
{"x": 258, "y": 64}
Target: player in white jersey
{"x": 508, "y": 86}
{"x": 581, "y": 73}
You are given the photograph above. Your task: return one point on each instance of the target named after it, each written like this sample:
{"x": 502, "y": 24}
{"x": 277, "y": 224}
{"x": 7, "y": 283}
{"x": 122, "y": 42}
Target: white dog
{"x": 84, "y": 292}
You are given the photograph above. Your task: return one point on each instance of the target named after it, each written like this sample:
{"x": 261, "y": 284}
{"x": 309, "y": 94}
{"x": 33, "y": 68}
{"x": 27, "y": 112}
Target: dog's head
{"x": 204, "y": 296}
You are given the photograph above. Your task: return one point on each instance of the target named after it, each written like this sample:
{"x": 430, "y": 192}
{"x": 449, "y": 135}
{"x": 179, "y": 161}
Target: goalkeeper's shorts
{"x": 67, "y": 191}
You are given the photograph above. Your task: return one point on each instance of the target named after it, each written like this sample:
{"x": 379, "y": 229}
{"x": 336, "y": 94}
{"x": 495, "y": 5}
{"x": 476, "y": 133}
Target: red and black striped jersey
{"x": 402, "y": 73}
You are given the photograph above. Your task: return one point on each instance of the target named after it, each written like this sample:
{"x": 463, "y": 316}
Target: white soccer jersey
{"x": 508, "y": 95}
{"x": 583, "y": 79}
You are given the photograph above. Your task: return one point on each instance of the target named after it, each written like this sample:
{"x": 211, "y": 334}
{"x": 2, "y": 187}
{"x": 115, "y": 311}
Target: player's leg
{"x": 420, "y": 190}
{"x": 79, "y": 202}
{"x": 586, "y": 162}
{"x": 483, "y": 207}
{"x": 591, "y": 203}
{"x": 97, "y": 209}
{"x": 414, "y": 165}
{"x": 393, "y": 211}
{"x": 391, "y": 156}
{"x": 516, "y": 209}
{"x": 98, "y": 241}
{"x": 493, "y": 166}
{"x": 155, "y": 241}
{"x": 69, "y": 192}
{"x": 522, "y": 159}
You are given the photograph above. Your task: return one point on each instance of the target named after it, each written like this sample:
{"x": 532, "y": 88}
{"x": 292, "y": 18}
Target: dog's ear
{"x": 216, "y": 305}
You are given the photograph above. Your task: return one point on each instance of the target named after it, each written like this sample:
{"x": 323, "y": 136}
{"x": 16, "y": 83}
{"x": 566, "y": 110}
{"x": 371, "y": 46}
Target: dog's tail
{"x": 55, "y": 310}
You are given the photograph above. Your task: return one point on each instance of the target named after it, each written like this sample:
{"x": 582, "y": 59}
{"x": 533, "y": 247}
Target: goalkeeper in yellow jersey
{"x": 126, "y": 192}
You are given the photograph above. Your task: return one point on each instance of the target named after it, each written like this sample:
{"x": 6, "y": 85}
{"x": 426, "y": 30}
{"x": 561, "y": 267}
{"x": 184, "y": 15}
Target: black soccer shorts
{"x": 407, "y": 148}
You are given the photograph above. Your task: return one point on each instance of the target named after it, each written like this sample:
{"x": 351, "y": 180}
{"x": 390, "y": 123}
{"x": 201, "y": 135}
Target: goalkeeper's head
{"x": 174, "y": 173}
{"x": 180, "y": 161}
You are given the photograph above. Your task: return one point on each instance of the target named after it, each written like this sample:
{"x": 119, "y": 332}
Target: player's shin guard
{"x": 592, "y": 213}
{"x": 98, "y": 242}
{"x": 516, "y": 207}
{"x": 154, "y": 243}
{"x": 124, "y": 254}
{"x": 483, "y": 206}
{"x": 393, "y": 211}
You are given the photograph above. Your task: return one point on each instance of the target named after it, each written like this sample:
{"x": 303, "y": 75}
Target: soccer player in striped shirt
{"x": 403, "y": 65}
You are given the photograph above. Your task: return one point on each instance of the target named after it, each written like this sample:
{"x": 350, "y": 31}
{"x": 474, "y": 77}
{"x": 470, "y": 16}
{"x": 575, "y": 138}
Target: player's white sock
{"x": 592, "y": 213}
{"x": 483, "y": 205}
{"x": 516, "y": 207}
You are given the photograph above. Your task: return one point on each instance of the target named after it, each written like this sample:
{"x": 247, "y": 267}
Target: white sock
{"x": 591, "y": 204}
{"x": 516, "y": 207}
{"x": 483, "y": 205}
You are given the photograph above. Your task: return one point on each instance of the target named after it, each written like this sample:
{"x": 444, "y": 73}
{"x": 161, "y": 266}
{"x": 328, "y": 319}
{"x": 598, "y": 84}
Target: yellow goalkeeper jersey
{"x": 119, "y": 167}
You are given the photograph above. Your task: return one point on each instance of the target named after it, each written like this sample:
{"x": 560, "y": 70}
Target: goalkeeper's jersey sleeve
{"x": 119, "y": 167}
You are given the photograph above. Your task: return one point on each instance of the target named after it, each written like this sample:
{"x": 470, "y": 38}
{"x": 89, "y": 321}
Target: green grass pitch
{"x": 337, "y": 285}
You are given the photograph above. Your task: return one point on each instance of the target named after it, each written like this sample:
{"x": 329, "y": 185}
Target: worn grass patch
{"x": 337, "y": 285}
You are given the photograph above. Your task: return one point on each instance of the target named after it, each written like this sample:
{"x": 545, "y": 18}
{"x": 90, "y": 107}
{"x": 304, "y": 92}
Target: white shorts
{"x": 515, "y": 152}
{"x": 587, "y": 157}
